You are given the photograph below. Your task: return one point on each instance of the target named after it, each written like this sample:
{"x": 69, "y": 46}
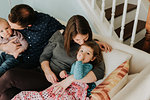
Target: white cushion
{"x": 112, "y": 84}
{"x": 112, "y": 60}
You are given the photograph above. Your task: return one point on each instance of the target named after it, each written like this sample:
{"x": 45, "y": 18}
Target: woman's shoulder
{"x": 57, "y": 36}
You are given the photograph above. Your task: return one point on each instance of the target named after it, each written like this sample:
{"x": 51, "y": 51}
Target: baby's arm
{"x": 81, "y": 70}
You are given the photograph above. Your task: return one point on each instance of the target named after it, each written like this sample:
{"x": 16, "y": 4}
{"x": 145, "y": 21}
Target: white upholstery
{"x": 112, "y": 60}
{"x": 136, "y": 89}
{"x": 138, "y": 86}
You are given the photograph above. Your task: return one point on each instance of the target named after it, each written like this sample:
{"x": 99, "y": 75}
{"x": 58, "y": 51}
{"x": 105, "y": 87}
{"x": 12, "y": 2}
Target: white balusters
{"x": 112, "y": 16}
{"x": 103, "y": 10}
{"x": 123, "y": 20}
{"x": 135, "y": 23}
{"x": 93, "y": 2}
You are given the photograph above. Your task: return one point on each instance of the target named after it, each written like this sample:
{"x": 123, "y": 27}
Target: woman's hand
{"x": 60, "y": 87}
{"x": 51, "y": 77}
{"x": 104, "y": 46}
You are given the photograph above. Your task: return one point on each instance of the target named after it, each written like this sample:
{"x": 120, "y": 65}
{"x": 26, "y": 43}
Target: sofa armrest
{"x": 136, "y": 89}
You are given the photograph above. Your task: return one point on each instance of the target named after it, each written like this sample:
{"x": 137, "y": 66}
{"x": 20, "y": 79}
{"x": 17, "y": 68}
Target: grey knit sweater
{"x": 55, "y": 53}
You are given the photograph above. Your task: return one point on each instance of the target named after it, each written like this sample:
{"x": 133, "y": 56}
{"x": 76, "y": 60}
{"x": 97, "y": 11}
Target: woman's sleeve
{"x": 48, "y": 50}
{"x": 99, "y": 70}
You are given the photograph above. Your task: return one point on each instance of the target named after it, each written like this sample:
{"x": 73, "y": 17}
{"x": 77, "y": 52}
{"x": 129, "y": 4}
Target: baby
{"x": 9, "y": 60}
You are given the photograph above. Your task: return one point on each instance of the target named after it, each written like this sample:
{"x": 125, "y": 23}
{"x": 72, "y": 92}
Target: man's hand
{"x": 15, "y": 54}
{"x": 11, "y": 47}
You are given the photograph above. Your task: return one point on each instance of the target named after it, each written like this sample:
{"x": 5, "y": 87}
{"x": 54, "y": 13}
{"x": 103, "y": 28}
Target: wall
{"x": 60, "y": 9}
{"x": 6, "y": 6}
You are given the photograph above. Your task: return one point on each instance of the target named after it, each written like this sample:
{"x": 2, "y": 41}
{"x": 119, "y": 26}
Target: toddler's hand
{"x": 80, "y": 57}
{"x": 63, "y": 74}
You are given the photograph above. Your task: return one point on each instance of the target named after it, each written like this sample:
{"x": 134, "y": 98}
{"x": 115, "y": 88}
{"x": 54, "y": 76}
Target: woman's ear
{"x": 93, "y": 58}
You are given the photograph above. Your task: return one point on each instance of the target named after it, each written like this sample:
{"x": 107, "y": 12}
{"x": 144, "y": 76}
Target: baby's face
{"x": 5, "y": 30}
{"x": 85, "y": 54}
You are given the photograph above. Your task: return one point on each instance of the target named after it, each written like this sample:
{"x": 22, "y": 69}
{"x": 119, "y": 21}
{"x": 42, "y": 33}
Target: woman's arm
{"x": 94, "y": 75}
{"x": 46, "y": 56}
{"x": 50, "y": 76}
{"x": 60, "y": 87}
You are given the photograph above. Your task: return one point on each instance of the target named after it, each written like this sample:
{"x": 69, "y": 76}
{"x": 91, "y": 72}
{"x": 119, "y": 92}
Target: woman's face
{"x": 80, "y": 39}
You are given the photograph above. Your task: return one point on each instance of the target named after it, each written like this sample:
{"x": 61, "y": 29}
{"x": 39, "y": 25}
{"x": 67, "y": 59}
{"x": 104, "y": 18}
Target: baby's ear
{"x": 93, "y": 58}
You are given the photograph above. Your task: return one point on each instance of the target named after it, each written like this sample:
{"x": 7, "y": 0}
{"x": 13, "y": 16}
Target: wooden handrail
{"x": 146, "y": 46}
{"x": 147, "y": 26}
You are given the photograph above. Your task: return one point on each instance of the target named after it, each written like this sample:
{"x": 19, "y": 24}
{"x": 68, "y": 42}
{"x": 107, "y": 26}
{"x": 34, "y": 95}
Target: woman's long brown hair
{"x": 77, "y": 24}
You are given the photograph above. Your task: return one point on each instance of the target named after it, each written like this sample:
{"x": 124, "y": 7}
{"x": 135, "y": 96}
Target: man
{"x": 36, "y": 28}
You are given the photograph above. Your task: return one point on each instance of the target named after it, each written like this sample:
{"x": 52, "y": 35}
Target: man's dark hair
{"x": 22, "y": 15}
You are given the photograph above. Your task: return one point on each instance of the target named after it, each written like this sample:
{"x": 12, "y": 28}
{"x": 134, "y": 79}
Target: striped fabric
{"x": 102, "y": 91}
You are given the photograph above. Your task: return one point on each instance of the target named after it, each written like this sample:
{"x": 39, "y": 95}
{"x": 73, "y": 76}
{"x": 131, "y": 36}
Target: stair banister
{"x": 103, "y": 11}
{"x": 93, "y": 2}
{"x": 146, "y": 45}
{"x": 135, "y": 23}
{"x": 112, "y": 16}
{"x": 123, "y": 20}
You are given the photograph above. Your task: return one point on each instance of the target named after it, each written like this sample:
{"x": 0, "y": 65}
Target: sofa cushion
{"x": 112, "y": 84}
{"x": 112, "y": 60}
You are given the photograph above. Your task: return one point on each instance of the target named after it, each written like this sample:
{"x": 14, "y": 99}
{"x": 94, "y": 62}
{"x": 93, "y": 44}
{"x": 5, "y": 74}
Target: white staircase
{"x": 96, "y": 11}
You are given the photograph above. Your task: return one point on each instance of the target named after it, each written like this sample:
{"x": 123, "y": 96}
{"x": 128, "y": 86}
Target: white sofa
{"x": 138, "y": 85}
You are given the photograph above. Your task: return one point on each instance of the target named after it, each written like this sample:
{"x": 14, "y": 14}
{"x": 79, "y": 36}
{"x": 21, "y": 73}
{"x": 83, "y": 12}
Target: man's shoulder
{"x": 43, "y": 16}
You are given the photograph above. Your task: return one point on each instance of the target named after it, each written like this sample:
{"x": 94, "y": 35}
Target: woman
{"x": 59, "y": 54}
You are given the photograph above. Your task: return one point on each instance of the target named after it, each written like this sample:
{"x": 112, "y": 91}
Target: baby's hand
{"x": 63, "y": 74}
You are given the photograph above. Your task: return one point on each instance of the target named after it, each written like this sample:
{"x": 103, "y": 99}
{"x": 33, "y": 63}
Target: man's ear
{"x": 29, "y": 25}
{"x": 93, "y": 58}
